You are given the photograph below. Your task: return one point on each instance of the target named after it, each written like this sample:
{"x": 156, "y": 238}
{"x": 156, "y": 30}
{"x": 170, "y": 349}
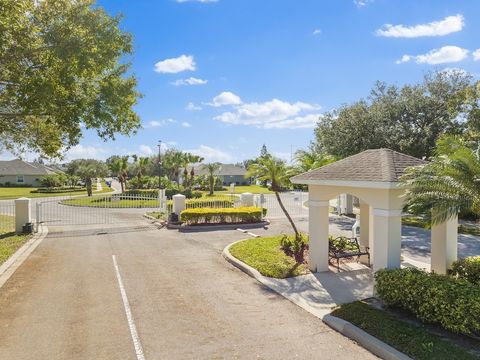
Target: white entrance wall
{"x": 444, "y": 245}
{"x": 364, "y": 224}
{"x": 387, "y": 238}
{"x": 318, "y": 234}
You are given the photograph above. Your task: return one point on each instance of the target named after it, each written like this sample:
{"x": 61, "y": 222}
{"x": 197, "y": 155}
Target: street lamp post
{"x": 161, "y": 195}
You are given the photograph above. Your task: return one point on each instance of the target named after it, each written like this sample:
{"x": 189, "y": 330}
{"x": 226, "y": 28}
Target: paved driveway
{"x": 186, "y": 302}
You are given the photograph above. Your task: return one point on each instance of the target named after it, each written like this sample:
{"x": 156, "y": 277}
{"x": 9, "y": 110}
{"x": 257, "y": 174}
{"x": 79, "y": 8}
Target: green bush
{"x": 468, "y": 269}
{"x": 61, "y": 189}
{"x": 291, "y": 246}
{"x": 221, "y": 215}
{"x": 451, "y": 303}
{"x": 341, "y": 244}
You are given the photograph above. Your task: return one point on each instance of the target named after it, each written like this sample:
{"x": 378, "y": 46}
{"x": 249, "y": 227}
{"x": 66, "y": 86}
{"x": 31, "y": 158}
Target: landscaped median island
{"x": 209, "y": 216}
{"x": 9, "y": 241}
{"x": 266, "y": 255}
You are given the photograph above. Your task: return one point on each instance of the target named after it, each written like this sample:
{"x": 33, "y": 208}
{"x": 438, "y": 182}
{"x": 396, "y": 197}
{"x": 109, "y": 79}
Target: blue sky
{"x": 220, "y": 78}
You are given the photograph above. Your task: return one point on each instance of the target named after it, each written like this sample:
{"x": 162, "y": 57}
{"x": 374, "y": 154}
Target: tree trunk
{"x": 212, "y": 185}
{"x": 122, "y": 184}
{"x": 88, "y": 183}
{"x": 297, "y": 234}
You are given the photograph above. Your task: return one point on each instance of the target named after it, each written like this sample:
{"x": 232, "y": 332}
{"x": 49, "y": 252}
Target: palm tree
{"x": 195, "y": 159}
{"x": 274, "y": 170}
{"x": 89, "y": 169}
{"x": 119, "y": 167}
{"x": 142, "y": 164}
{"x": 186, "y": 160}
{"x": 212, "y": 168}
{"x": 307, "y": 160}
{"x": 448, "y": 184}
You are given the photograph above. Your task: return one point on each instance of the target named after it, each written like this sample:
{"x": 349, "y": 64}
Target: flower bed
{"x": 201, "y": 216}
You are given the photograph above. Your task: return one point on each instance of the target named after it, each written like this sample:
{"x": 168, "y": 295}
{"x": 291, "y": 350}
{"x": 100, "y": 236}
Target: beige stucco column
{"x": 387, "y": 236}
{"x": 444, "y": 245}
{"x": 364, "y": 223}
{"x": 22, "y": 213}
{"x": 179, "y": 203}
{"x": 318, "y": 232}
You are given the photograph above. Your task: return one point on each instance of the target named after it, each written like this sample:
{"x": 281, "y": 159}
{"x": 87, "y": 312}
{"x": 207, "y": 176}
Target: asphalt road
{"x": 185, "y": 302}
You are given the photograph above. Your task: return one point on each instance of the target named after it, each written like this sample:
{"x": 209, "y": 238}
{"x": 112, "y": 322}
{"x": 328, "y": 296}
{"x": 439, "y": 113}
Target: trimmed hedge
{"x": 468, "y": 269}
{"x": 437, "y": 299}
{"x": 221, "y": 215}
{"x": 61, "y": 189}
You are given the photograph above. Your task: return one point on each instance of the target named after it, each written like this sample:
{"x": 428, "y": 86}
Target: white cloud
{"x": 189, "y": 81}
{"x": 145, "y": 150}
{"x": 476, "y": 55}
{"x": 404, "y": 59}
{"x": 444, "y": 55}
{"x": 317, "y": 32}
{"x": 175, "y": 65}
{"x": 200, "y": 1}
{"x": 362, "y": 3}
{"x": 160, "y": 123}
{"x": 85, "y": 152}
{"x": 226, "y": 98}
{"x": 186, "y": 124}
{"x": 211, "y": 154}
{"x": 192, "y": 107}
{"x": 443, "y": 27}
{"x": 273, "y": 114}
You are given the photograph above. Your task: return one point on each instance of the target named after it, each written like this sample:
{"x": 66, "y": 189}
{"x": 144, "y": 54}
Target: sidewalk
{"x": 317, "y": 293}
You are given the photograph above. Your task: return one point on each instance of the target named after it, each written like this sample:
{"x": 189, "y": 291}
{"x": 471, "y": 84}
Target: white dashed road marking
{"x": 131, "y": 323}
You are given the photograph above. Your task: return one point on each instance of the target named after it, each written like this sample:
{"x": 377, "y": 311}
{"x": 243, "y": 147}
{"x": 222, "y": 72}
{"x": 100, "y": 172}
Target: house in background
{"x": 23, "y": 173}
{"x": 228, "y": 174}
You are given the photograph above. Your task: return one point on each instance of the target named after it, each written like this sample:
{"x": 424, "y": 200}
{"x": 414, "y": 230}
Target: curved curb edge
{"x": 13, "y": 263}
{"x": 369, "y": 342}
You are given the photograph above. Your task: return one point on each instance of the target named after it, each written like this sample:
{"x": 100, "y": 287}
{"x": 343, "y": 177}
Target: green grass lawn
{"x": 18, "y": 192}
{"x": 419, "y": 222}
{"x": 9, "y": 241}
{"x": 254, "y": 189}
{"x": 409, "y": 338}
{"x": 106, "y": 201}
{"x": 265, "y": 255}
{"x": 157, "y": 215}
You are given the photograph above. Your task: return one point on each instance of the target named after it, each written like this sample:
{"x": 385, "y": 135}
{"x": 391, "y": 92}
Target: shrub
{"x": 61, "y": 189}
{"x": 54, "y": 180}
{"x": 341, "y": 244}
{"x": 468, "y": 269}
{"x": 170, "y": 192}
{"x": 292, "y": 246}
{"x": 197, "y": 194}
{"x": 221, "y": 215}
{"x": 437, "y": 299}
{"x": 143, "y": 192}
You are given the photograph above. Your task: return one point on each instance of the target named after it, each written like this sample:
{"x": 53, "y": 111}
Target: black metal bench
{"x": 337, "y": 253}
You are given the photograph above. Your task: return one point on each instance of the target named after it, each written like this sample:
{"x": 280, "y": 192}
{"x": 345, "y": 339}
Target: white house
{"x": 21, "y": 173}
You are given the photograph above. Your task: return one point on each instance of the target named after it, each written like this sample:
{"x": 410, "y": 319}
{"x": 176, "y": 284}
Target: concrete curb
{"x": 221, "y": 227}
{"x": 13, "y": 263}
{"x": 156, "y": 221}
{"x": 369, "y": 342}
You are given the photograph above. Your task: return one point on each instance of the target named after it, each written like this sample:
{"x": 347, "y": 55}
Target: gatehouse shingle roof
{"x": 376, "y": 165}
